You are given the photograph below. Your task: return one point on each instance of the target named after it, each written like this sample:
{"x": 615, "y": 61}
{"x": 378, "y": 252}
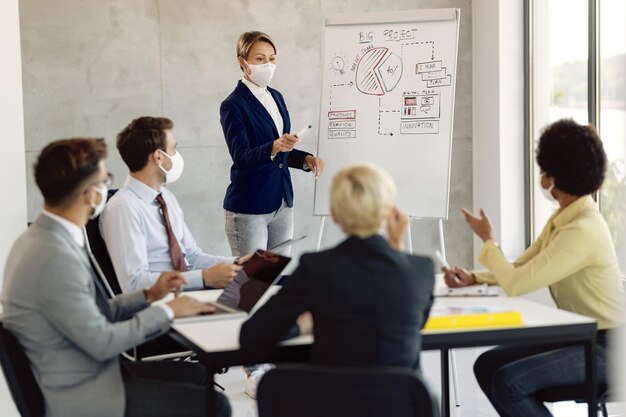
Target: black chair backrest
{"x": 19, "y": 376}
{"x": 100, "y": 252}
{"x": 311, "y": 391}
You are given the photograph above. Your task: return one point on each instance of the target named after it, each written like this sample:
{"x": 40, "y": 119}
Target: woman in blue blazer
{"x": 259, "y": 200}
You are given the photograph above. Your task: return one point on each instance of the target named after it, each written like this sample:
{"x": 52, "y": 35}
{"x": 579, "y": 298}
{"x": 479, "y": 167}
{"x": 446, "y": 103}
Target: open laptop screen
{"x": 255, "y": 278}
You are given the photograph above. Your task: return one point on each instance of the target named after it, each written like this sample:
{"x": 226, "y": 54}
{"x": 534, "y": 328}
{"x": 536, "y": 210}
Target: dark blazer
{"x": 257, "y": 184}
{"x": 368, "y": 300}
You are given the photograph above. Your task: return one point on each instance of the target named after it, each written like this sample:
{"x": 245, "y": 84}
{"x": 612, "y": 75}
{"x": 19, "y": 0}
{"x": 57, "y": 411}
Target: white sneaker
{"x": 252, "y": 382}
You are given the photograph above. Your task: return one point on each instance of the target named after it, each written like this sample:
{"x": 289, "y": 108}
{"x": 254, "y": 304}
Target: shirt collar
{"x": 255, "y": 89}
{"x": 143, "y": 191}
{"x": 569, "y": 213}
{"x": 73, "y": 229}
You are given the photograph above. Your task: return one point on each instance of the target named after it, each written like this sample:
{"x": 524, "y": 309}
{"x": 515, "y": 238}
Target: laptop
{"x": 258, "y": 274}
{"x": 244, "y": 292}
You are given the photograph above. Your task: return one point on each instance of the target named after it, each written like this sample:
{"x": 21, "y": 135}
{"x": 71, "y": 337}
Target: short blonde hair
{"x": 247, "y": 39}
{"x": 361, "y": 198}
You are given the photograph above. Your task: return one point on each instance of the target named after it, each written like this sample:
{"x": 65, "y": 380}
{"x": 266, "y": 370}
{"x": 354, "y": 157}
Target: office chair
{"x": 19, "y": 376}
{"x": 576, "y": 393}
{"x": 164, "y": 347}
{"x": 99, "y": 250}
{"x": 313, "y": 391}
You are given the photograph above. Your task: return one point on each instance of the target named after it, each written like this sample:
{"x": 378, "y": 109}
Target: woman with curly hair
{"x": 574, "y": 256}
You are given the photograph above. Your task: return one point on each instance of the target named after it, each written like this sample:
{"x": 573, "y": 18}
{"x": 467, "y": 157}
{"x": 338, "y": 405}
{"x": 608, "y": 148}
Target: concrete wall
{"x": 91, "y": 66}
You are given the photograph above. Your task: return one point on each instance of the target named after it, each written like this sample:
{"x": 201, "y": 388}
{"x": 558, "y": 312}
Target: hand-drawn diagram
{"x": 403, "y": 70}
{"x": 433, "y": 73}
{"x": 378, "y": 71}
{"x": 342, "y": 124}
{"x": 338, "y": 64}
{"x": 420, "y": 114}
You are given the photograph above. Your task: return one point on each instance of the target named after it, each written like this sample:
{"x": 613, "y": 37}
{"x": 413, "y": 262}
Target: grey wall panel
{"x": 91, "y": 66}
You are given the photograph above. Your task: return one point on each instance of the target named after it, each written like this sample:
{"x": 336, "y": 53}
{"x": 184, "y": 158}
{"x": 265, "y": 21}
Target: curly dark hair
{"x": 574, "y": 155}
{"x": 140, "y": 138}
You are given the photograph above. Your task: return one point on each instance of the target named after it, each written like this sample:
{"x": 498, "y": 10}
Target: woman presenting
{"x": 259, "y": 200}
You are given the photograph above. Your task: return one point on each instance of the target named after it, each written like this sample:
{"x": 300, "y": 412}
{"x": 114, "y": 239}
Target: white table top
{"x": 219, "y": 335}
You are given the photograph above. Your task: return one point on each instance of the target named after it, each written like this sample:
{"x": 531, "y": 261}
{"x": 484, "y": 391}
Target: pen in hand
{"x": 444, "y": 262}
{"x": 303, "y": 132}
{"x": 458, "y": 280}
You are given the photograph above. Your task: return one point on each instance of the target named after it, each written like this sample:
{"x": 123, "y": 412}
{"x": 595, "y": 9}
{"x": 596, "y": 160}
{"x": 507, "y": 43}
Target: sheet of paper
{"x": 442, "y": 290}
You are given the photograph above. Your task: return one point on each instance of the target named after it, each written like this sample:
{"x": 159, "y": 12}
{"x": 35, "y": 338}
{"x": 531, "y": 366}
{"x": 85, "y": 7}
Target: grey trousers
{"x": 247, "y": 233}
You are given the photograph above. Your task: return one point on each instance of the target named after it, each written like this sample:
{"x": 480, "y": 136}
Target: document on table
{"x": 442, "y": 290}
{"x": 451, "y": 317}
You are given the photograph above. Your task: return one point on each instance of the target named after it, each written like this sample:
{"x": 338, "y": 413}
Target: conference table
{"x": 216, "y": 340}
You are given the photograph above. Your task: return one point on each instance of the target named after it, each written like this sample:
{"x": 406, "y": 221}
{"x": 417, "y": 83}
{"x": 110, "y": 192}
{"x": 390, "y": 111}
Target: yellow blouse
{"x": 574, "y": 256}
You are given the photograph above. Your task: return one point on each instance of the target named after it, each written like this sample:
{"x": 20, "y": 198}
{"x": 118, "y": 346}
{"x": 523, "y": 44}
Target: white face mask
{"x": 97, "y": 208}
{"x": 262, "y": 74}
{"x": 177, "y": 167}
{"x": 547, "y": 192}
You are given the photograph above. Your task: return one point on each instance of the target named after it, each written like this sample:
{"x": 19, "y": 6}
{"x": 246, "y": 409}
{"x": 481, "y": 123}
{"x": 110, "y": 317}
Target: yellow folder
{"x": 452, "y": 318}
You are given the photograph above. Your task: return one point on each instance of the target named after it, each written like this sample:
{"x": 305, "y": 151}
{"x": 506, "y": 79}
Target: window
{"x": 562, "y": 85}
{"x": 559, "y": 56}
{"x": 612, "y": 123}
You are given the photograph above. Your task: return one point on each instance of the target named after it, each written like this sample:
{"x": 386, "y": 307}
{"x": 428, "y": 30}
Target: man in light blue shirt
{"x": 143, "y": 225}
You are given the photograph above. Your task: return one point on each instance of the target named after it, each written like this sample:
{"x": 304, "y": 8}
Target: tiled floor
{"x": 473, "y": 402}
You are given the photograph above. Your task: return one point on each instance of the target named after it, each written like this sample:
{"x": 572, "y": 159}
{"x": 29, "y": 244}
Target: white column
{"x": 498, "y": 124}
{"x": 498, "y": 119}
{"x": 12, "y": 158}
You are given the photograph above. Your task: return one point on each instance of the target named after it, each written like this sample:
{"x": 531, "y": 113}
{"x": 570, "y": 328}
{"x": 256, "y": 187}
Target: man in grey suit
{"x": 71, "y": 331}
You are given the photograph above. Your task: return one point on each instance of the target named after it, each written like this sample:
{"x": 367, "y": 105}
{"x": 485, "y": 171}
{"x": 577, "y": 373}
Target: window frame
{"x": 593, "y": 101}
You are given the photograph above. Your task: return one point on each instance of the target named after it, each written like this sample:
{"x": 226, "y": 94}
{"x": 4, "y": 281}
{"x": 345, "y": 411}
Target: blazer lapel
{"x": 57, "y": 229}
{"x": 256, "y": 105}
{"x": 282, "y": 108}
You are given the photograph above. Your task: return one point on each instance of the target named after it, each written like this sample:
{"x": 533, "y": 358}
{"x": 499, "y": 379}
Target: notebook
{"x": 466, "y": 317}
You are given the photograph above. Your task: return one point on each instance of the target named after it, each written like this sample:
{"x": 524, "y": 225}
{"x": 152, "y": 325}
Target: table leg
{"x": 210, "y": 395}
{"x": 445, "y": 384}
{"x": 592, "y": 378}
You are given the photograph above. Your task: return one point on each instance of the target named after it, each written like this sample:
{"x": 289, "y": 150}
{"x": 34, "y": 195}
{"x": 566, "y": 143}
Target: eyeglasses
{"x": 108, "y": 181}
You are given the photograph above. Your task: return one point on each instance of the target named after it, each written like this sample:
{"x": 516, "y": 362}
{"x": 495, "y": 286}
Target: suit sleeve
{"x": 68, "y": 302}
{"x": 244, "y": 155}
{"x": 124, "y": 306}
{"x": 427, "y": 299}
{"x": 274, "y": 320}
{"x": 570, "y": 251}
{"x": 486, "y": 277}
{"x": 296, "y": 160}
